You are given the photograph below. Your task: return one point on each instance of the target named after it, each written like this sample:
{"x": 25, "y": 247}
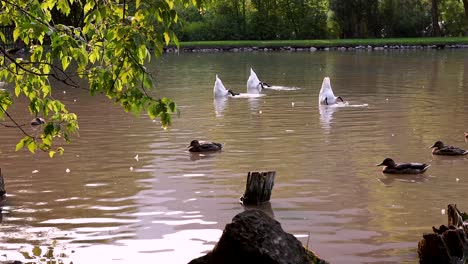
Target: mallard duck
{"x": 403, "y": 168}
{"x": 254, "y": 85}
{"x": 204, "y": 146}
{"x": 440, "y": 149}
{"x": 37, "y": 121}
{"x": 219, "y": 91}
{"x": 326, "y": 96}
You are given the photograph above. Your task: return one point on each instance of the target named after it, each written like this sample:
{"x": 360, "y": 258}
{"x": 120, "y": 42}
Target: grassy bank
{"x": 328, "y": 42}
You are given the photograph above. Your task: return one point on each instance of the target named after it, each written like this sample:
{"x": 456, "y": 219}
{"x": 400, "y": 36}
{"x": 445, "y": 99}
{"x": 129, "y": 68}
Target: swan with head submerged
{"x": 326, "y": 96}
{"x": 254, "y": 85}
{"x": 219, "y": 91}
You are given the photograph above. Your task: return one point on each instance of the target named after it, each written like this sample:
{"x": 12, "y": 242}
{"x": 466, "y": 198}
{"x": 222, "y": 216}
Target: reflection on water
{"x": 170, "y": 206}
{"x": 326, "y": 116}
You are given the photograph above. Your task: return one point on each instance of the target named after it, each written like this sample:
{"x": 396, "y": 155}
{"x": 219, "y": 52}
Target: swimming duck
{"x": 403, "y": 168}
{"x": 37, "y": 121}
{"x": 220, "y": 91}
{"x": 254, "y": 85}
{"x": 204, "y": 146}
{"x": 440, "y": 149}
{"x": 326, "y": 96}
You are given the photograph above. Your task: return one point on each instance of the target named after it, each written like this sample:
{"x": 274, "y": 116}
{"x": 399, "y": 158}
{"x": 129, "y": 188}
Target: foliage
{"x": 356, "y": 19}
{"x": 453, "y": 20}
{"x": 321, "y": 19}
{"x": 105, "y": 43}
{"x": 409, "y": 19}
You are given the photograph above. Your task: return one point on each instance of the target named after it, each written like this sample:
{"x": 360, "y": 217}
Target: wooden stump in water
{"x": 258, "y": 187}
{"x": 2, "y": 184}
{"x": 448, "y": 244}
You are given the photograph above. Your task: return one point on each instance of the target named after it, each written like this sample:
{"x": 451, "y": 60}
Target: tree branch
{"x": 16, "y": 124}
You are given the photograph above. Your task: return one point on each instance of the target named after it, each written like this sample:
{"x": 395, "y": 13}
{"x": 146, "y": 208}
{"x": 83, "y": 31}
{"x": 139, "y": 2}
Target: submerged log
{"x": 2, "y": 184}
{"x": 258, "y": 187}
{"x": 448, "y": 244}
{"x": 254, "y": 237}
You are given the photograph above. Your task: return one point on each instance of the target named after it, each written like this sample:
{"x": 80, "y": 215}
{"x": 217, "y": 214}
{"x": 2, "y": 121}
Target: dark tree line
{"x": 319, "y": 19}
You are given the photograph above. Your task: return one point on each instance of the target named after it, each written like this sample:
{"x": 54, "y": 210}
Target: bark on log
{"x": 448, "y": 244}
{"x": 258, "y": 187}
{"x": 2, "y": 184}
{"x": 252, "y": 238}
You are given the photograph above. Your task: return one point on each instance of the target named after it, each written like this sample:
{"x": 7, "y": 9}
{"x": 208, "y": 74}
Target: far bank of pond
{"x": 324, "y": 45}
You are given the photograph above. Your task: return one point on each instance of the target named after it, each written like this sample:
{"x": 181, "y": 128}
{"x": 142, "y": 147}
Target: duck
{"x": 37, "y": 121}
{"x": 440, "y": 149}
{"x": 326, "y": 96}
{"x": 219, "y": 91}
{"x": 254, "y": 85}
{"x": 204, "y": 146}
{"x": 403, "y": 168}
{"x": 466, "y": 135}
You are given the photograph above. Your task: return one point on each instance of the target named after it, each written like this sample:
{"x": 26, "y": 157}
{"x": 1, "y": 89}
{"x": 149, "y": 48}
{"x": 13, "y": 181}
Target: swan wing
{"x": 219, "y": 90}
{"x": 326, "y": 92}
{"x": 253, "y": 83}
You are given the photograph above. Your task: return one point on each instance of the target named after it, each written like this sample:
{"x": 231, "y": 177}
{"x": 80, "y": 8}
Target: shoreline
{"x": 292, "y": 48}
{"x": 320, "y": 45}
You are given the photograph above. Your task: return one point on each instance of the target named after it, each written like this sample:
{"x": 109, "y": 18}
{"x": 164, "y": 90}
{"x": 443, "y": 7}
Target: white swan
{"x": 219, "y": 91}
{"x": 326, "y": 96}
{"x": 254, "y": 85}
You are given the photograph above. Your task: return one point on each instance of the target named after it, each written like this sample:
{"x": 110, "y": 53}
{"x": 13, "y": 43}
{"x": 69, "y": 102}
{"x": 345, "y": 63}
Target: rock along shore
{"x": 195, "y": 49}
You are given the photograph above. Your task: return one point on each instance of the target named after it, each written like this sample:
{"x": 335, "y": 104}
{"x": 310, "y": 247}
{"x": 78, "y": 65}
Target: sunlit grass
{"x": 328, "y": 42}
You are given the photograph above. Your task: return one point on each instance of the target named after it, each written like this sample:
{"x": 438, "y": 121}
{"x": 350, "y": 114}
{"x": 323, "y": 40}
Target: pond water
{"x": 126, "y": 191}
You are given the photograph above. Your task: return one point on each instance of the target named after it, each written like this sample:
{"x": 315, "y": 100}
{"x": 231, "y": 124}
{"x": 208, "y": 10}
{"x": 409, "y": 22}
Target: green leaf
{"x": 52, "y": 153}
{"x": 17, "y": 90}
{"x": 88, "y": 6}
{"x": 16, "y": 33}
{"x": 32, "y": 146}
{"x": 167, "y": 38}
{"x": 20, "y": 144}
{"x": 65, "y": 62}
{"x": 37, "y": 251}
{"x": 63, "y": 6}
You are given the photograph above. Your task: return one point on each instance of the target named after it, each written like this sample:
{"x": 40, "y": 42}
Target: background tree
{"x": 356, "y": 18}
{"x": 304, "y": 19}
{"x": 453, "y": 19}
{"x": 435, "y": 18}
{"x": 465, "y": 8}
{"x": 408, "y": 18}
{"x": 109, "y": 52}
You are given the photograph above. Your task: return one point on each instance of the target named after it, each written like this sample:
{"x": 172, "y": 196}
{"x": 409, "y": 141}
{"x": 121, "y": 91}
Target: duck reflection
{"x": 407, "y": 178}
{"x": 198, "y": 156}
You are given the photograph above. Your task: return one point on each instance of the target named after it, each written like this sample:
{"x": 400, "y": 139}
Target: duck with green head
{"x": 440, "y": 149}
{"x": 204, "y": 146}
{"x": 403, "y": 168}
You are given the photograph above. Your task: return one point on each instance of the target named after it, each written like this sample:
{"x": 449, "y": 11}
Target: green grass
{"x": 326, "y": 42}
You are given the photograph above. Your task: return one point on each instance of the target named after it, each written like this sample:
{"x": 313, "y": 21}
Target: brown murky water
{"x": 168, "y": 206}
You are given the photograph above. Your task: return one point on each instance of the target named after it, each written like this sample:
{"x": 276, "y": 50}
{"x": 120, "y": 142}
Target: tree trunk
{"x": 435, "y": 19}
{"x": 465, "y": 6}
